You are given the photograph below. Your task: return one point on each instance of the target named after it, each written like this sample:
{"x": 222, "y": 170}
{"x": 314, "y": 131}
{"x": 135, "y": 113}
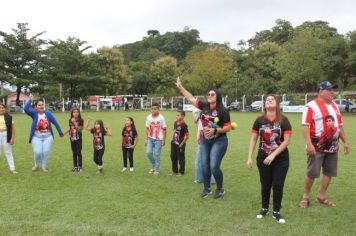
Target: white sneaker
{"x": 124, "y": 169}
{"x": 131, "y": 169}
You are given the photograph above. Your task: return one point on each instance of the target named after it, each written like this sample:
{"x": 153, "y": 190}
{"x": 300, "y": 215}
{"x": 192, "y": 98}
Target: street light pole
{"x": 236, "y": 86}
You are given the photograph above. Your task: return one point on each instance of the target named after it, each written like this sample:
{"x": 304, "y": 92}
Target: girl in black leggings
{"x": 75, "y": 135}
{"x": 99, "y": 132}
{"x": 129, "y": 142}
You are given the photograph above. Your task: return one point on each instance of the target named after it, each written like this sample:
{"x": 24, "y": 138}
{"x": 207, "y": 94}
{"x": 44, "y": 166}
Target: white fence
{"x": 289, "y": 102}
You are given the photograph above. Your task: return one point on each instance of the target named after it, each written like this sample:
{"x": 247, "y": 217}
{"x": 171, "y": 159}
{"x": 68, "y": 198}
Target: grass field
{"x": 115, "y": 203}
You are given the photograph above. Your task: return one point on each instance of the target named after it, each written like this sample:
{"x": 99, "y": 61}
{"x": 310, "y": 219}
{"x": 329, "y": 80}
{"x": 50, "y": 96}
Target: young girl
{"x": 99, "y": 144}
{"x": 7, "y": 136}
{"x": 75, "y": 135}
{"x": 274, "y": 131}
{"x": 129, "y": 141}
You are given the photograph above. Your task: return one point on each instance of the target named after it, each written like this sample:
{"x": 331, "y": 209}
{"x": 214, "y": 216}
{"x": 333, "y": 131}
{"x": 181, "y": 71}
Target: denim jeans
{"x": 199, "y": 168}
{"x": 41, "y": 144}
{"x": 153, "y": 152}
{"x": 212, "y": 152}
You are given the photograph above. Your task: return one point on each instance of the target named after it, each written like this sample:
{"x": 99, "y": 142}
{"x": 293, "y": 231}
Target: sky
{"x": 117, "y": 22}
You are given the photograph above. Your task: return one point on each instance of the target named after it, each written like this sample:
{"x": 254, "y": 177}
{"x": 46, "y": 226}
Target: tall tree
{"x": 164, "y": 71}
{"x": 21, "y": 58}
{"x": 68, "y": 64}
{"x": 142, "y": 83}
{"x": 267, "y": 75}
{"x": 111, "y": 65}
{"x": 282, "y": 32}
{"x": 300, "y": 67}
{"x": 350, "y": 61}
{"x": 207, "y": 68}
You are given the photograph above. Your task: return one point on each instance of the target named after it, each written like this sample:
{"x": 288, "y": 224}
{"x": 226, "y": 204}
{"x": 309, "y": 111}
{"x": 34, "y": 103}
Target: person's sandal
{"x": 326, "y": 202}
{"x": 304, "y": 203}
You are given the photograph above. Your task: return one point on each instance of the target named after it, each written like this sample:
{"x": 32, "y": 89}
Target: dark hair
{"x": 219, "y": 103}
{"x": 101, "y": 123}
{"x": 75, "y": 109}
{"x": 133, "y": 123}
{"x": 329, "y": 117}
{"x": 181, "y": 112}
{"x": 155, "y": 104}
{"x": 279, "y": 116}
{"x": 3, "y": 105}
{"x": 36, "y": 102}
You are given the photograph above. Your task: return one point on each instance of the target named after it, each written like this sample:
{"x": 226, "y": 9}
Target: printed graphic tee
{"x": 128, "y": 137}
{"x": 156, "y": 125}
{"x": 271, "y": 133}
{"x": 324, "y": 121}
{"x": 179, "y": 132}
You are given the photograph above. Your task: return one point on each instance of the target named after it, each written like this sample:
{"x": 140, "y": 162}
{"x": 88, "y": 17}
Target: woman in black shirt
{"x": 216, "y": 123}
{"x": 274, "y": 130}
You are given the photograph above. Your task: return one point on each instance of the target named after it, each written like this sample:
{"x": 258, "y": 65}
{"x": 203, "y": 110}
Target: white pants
{"x": 7, "y": 150}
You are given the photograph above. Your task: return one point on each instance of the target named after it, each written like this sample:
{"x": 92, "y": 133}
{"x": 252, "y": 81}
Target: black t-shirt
{"x": 75, "y": 133}
{"x": 128, "y": 137}
{"x": 271, "y": 133}
{"x": 209, "y": 114}
{"x": 98, "y": 138}
{"x": 179, "y": 132}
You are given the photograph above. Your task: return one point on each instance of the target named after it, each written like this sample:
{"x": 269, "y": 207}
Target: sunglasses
{"x": 210, "y": 94}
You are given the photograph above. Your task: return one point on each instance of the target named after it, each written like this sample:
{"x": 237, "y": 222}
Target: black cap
{"x": 326, "y": 85}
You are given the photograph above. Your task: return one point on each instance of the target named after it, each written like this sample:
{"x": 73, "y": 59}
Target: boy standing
{"x": 155, "y": 138}
{"x": 180, "y": 137}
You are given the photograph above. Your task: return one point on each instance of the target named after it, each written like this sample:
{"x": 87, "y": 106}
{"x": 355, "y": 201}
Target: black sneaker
{"x": 205, "y": 193}
{"x": 278, "y": 217}
{"x": 74, "y": 169}
{"x": 262, "y": 213}
{"x": 219, "y": 193}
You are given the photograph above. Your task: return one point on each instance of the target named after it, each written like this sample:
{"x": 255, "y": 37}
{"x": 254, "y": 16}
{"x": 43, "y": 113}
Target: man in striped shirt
{"x": 322, "y": 128}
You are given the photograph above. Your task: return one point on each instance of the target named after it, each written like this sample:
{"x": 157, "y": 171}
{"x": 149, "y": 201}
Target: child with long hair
{"x": 75, "y": 136}
{"x": 99, "y": 132}
{"x": 129, "y": 142}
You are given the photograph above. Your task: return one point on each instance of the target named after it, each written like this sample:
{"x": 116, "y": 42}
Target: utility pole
{"x": 60, "y": 91}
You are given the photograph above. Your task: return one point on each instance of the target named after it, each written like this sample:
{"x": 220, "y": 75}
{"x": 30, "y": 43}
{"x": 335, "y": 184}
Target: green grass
{"x": 65, "y": 203}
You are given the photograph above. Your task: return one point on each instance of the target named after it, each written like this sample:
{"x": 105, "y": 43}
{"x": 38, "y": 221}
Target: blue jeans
{"x": 41, "y": 144}
{"x": 153, "y": 152}
{"x": 199, "y": 168}
{"x": 212, "y": 152}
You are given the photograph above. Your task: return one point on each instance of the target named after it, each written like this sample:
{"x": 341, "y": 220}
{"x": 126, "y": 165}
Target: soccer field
{"x": 64, "y": 203}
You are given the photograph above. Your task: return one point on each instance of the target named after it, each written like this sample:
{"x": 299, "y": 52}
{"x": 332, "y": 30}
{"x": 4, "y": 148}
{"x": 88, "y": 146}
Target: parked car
{"x": 235, "y": 106}
{"x": 287, "y": 103}
{"x": 188, "y": 107}
{"x": 257, "y": 105}
{"x": 341, "y": 103}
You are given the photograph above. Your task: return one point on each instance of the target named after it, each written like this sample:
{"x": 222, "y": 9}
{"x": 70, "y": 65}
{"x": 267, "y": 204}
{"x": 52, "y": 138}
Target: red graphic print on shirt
{"x": 42, "y": 125}
{"x": 270, "y": 138}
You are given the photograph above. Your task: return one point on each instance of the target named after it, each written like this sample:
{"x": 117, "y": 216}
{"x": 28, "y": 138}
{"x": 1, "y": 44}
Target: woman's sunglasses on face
{"x": 210, "y": 94}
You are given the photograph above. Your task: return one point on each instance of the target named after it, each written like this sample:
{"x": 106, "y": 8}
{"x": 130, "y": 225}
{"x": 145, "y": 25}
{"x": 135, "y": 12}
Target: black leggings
{"x": 274, "y": 176}
{"x": 98, "y": 156}
{"x": 127, "y": 152}
{"x": 77, "y": 152}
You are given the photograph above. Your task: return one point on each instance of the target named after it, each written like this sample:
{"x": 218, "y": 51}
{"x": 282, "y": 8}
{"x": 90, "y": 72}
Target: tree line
{"x": 281, "y": 59}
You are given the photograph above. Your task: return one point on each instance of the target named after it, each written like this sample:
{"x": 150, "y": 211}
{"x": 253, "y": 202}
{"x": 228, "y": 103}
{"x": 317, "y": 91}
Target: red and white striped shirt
{"x": 155, "y": 126}
{"x": 324, "y": 135}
